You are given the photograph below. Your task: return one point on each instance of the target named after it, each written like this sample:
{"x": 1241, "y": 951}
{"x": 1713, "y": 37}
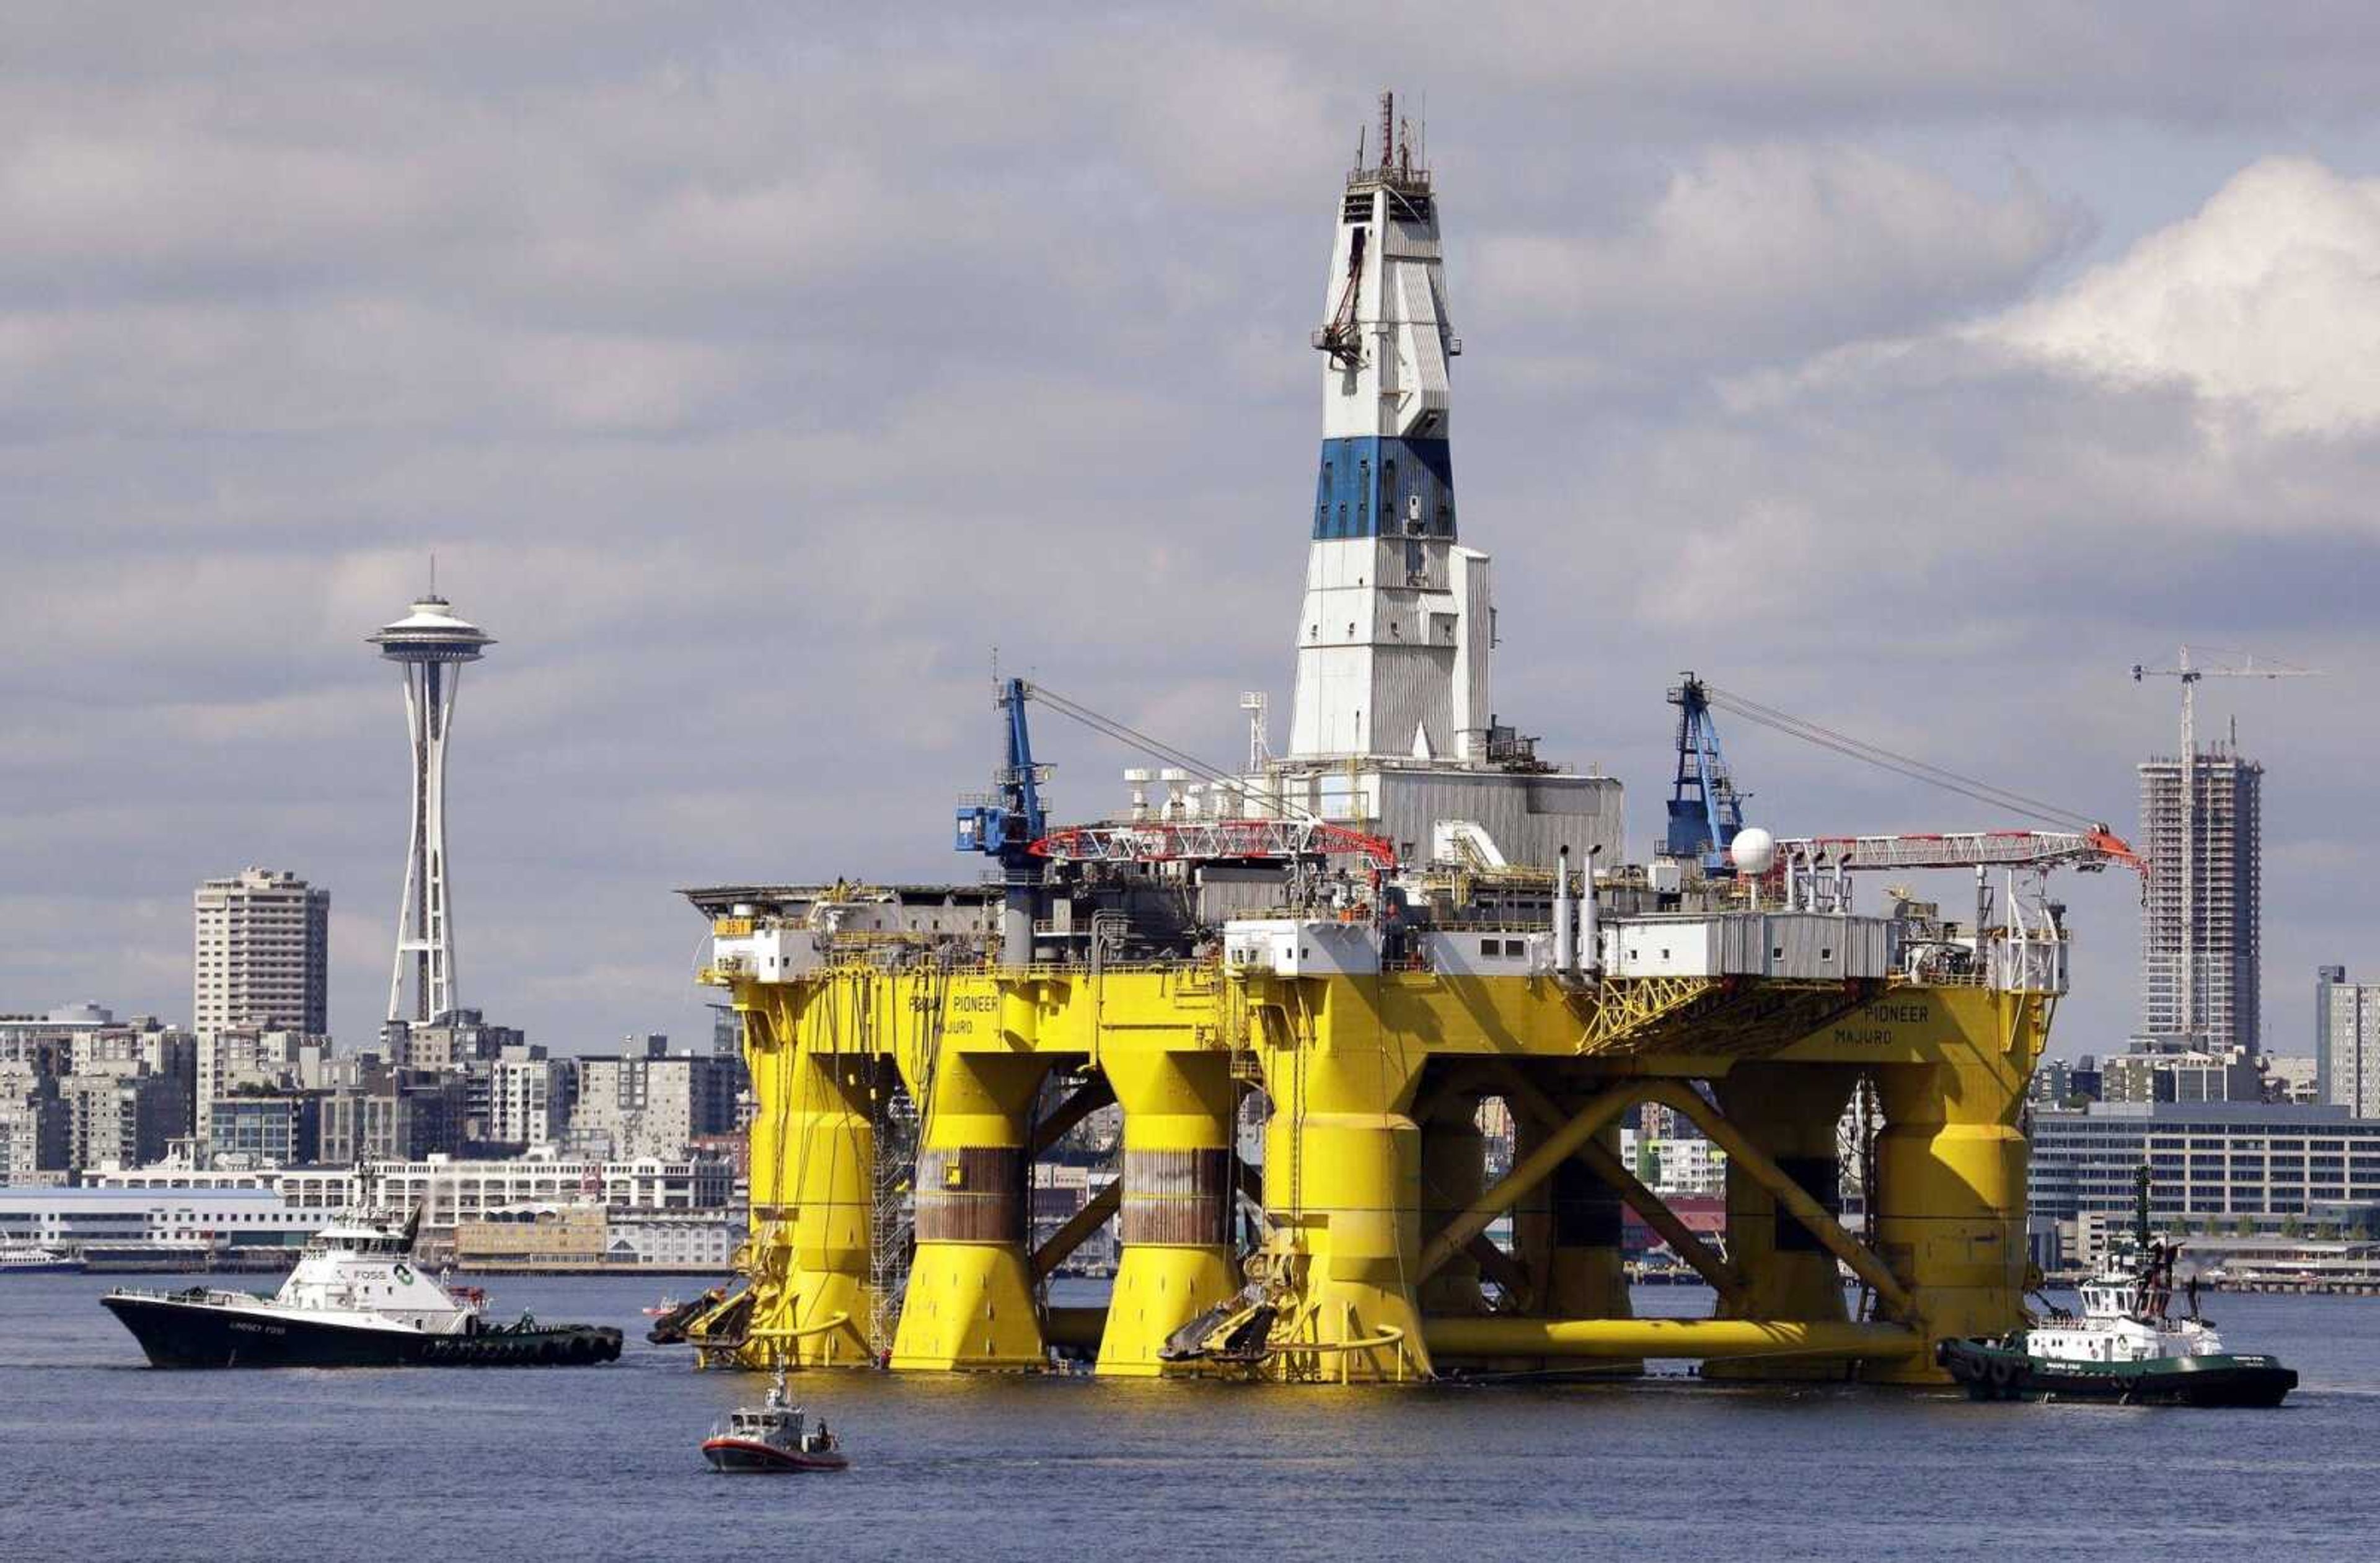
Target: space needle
{"x": 431, "y": 645}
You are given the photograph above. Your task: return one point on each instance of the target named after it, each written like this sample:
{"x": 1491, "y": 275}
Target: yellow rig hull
{"x": 1371, "y": 1181}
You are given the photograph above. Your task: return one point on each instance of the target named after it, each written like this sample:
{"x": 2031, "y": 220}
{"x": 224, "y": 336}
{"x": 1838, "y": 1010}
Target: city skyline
{"x": 1721, "y": 348}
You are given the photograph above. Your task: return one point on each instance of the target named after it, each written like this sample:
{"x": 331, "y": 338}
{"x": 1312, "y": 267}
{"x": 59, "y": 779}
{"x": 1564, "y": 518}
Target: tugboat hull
{"x": 2000, "y": 1373}
{"x": 181, "y": 1332}
{"x": 177, "y": 1334}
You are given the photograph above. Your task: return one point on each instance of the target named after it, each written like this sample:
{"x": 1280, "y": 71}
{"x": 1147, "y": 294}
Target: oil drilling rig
{"x": 1357, "y": 944}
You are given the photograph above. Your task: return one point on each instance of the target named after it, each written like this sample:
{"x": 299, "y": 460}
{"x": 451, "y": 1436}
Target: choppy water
{"x": 104, "y": 1458}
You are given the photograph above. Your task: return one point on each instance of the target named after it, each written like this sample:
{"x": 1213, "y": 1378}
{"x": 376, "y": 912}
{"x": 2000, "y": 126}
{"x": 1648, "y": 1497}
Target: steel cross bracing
{"x": 2088, "y": 851}
{"x": 1717, "y": 1015}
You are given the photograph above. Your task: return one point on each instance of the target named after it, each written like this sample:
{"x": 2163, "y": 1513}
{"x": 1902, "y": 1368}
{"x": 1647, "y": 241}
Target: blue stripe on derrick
{"x": 1375, "y": 485}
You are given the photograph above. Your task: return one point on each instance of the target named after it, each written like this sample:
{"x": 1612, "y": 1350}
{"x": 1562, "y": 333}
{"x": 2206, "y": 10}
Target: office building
{"x": 122, "y": 1119}
{"x": 455, "y": 1040}
{"x": 2208, "y": 1162}
{"x": 529, "y": 1096}
{"x": 652, "y": 1103}
{"x": 251, "y": 1059}
{"x": 409, "y": 1117}
{"x": 2347, "y": 1041}
{"x": 2181, "y": 1076}
{"x": 280, "y": 1129}
{"x": 34, "y": 1127}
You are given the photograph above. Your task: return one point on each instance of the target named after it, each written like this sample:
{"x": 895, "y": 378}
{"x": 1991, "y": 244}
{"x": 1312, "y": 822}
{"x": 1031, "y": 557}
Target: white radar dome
{"x": 1754, "y": 851}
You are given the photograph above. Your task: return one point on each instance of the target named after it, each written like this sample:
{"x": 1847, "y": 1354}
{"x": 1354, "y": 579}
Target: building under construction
{"x": 1303, "y": 978}
{"x": 2202, "y": 911}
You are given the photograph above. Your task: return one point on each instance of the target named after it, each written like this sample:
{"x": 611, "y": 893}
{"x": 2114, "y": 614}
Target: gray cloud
{"x": 754, "y": 373}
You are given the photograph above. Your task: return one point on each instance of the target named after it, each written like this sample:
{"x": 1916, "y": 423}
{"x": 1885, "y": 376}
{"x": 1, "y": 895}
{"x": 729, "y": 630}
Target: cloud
{"x": 754, "y": 374}
{"x": 2265, "y": 301}
{"x": 1763, "y": 251}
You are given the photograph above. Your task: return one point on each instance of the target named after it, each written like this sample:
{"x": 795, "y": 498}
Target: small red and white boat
{"x": 772, "y": 1438}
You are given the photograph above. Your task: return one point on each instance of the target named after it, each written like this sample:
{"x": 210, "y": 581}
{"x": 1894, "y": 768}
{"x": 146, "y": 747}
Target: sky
{"x": 755, "y": 371}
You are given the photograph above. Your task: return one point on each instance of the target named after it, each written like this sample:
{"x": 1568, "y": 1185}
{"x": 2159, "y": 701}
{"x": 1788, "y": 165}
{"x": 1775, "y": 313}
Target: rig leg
{"x": 1342, "y": 1179}
{"x": 1950, "y": 1175}
{"x": 970, "y": 1299}
{"x": 1790, "y": 1112}
{"x": 810, "y": 1195}
{"x": 1177, "y": 1201}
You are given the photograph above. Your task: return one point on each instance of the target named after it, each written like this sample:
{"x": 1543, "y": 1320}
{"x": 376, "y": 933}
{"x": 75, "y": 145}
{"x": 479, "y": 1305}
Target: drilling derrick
{"x": 1401, "y": 926}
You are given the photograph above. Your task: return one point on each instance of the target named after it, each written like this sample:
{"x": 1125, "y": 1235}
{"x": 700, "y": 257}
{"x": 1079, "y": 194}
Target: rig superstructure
{"x": 1357, "y": 944}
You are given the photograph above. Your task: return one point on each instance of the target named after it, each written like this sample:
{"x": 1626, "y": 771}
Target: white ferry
{"x": 32, "y": 1259}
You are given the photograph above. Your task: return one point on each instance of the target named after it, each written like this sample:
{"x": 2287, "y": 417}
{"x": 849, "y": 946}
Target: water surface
{"x": 102, "y": 1459}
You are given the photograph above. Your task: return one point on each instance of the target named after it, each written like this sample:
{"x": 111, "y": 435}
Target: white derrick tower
{"x": 430, "y": 644}
{"x": 1393, "y": 639}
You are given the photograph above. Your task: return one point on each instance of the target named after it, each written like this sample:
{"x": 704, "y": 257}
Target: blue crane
{"x": 1705, "y": 811}
{"x": 1005, "y": 826}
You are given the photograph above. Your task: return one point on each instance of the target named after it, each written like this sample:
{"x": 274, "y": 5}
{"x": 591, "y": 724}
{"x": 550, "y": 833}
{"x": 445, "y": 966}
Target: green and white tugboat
{"x": 2126, "y": 1346}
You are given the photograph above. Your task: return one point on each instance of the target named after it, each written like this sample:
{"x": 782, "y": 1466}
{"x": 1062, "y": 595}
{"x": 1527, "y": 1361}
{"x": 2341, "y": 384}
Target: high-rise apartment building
{"x": 2347, "y": 1041}
{"x": 529, "y": 1096}
{"x": 2203, "y": 913}
{"x": 263, "y": 953}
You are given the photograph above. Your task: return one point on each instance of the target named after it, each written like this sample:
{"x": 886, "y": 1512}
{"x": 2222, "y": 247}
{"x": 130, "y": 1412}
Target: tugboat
{"x": 772, "y": 1438}
{"x": 2125, "y": 1347}
{"x": 354, "y": 1299}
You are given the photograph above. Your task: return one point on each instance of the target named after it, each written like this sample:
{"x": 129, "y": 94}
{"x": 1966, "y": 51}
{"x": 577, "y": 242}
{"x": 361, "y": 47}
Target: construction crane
{"x": 2189, "y": 672}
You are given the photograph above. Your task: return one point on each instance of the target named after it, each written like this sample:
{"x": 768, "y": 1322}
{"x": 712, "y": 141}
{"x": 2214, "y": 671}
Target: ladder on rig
{"x": 900, "y": 1128}
{"x": 891, "y": 1217}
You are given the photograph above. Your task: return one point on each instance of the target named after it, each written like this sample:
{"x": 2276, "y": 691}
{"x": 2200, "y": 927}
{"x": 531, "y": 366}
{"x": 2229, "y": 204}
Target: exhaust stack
{"x": 1590, "y": 952}
{"x": 1565, "y": 930}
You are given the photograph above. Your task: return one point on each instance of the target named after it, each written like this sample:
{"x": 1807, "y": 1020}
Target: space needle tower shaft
{"x": 429, "y": 646}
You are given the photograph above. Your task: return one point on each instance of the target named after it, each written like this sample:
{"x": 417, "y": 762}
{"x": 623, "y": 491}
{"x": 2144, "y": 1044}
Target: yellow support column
{"x": 1177, "y": 1200}
{"x": 1343, "y": 1174}
{"x": 811, "y": 1161}
{"x": 1790, "y": 1112}
{"x": 970, "y": 1299}
{"x": 1951, "y": 1173}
